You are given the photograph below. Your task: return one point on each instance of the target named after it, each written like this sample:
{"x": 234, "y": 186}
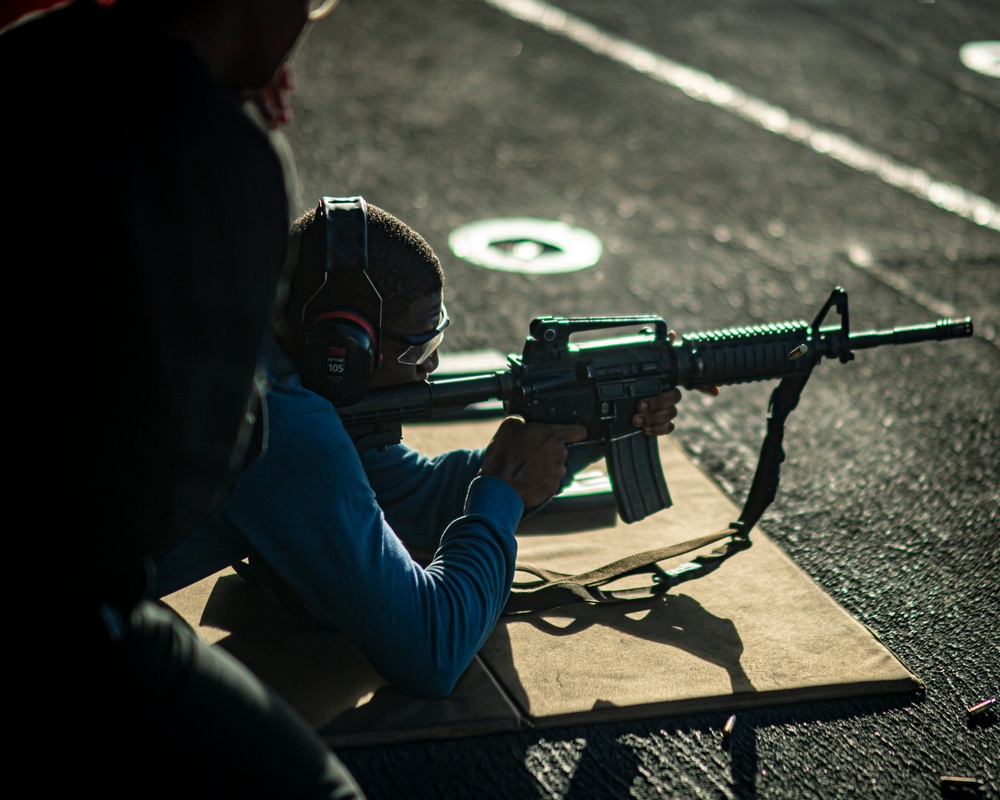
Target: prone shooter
{"x": 599, "y": 383}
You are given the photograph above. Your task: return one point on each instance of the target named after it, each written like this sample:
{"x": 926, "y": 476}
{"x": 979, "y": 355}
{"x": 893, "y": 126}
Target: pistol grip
{"x": 637, "y": 476}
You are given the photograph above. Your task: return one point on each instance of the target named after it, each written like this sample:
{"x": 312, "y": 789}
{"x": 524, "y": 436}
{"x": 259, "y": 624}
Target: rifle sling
{"x": 554, "y": 589}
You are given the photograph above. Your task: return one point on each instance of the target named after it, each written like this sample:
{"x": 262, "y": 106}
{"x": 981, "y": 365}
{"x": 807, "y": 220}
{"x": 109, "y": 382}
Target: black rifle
{"x": 599, "y": 384}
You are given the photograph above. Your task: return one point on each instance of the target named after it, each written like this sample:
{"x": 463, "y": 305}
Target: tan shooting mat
{"x": 757, "y": 631}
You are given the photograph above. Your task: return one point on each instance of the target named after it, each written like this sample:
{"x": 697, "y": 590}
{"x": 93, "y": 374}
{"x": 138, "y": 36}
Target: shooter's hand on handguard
{"x": 655, "y": 414}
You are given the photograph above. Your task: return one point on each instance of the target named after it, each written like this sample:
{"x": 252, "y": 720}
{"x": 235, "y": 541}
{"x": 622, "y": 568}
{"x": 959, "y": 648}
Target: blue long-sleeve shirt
{"x": 336, "y": 527}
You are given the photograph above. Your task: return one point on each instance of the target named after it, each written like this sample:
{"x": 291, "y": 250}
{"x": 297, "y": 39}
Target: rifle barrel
{"x": 939, "y": 331}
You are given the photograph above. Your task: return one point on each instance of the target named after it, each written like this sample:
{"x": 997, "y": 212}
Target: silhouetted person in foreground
{"x": 147, "y": 238}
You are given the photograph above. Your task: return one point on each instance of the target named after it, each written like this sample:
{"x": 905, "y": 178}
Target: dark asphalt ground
{"x": 450, "y": 111}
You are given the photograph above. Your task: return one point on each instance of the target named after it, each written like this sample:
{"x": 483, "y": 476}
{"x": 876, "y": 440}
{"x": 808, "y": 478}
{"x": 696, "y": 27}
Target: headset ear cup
{"x": 339, "y": 346}
{"x": 338, "y": 358}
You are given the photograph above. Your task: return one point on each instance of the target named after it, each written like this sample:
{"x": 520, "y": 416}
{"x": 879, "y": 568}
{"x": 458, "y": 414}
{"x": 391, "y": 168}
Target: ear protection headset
{"x": 341, "y": 341}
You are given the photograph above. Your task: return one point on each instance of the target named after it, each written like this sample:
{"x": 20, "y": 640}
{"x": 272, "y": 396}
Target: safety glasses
{"x": 421, "y": 345}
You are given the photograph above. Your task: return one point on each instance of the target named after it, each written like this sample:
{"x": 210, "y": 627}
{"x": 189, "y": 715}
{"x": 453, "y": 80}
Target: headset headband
{"x": 346, "y": 233}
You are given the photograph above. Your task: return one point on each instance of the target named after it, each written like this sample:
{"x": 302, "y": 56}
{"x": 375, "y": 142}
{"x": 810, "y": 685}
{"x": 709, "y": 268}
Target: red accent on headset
{"x": 348, "y": 315}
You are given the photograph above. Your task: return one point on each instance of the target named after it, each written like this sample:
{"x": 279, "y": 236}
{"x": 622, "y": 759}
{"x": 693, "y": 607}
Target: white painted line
{"x": 703, "y": 87}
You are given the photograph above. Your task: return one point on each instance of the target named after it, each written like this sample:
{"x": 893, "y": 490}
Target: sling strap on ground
{"x": 554, "y": 589}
